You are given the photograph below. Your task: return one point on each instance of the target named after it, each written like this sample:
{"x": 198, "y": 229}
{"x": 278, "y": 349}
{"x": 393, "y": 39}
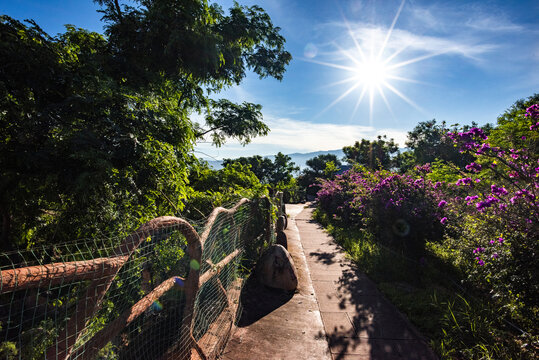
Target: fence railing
{"x": 168, "y": 291}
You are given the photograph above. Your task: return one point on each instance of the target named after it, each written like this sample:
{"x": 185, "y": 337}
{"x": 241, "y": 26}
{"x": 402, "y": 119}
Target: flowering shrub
{"x": 401, "y": 211}
{"x": 479, "y": 222}
{"x": 503, "y": 214}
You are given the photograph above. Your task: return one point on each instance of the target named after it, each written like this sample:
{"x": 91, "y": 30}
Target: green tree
{"x": 323, "y": 166}
{"x": 95, "y": 133}
{"x": 319, "y": 163}
{"x": 280, "y": 170}
{"x": 513, "y": 127}
{"x": 210, "y": 188}
{"x": 374, "y": 154}
{"x": 262, "y": 167}
{"x": 427, "y": 142}
{"x": 283, "y": 169}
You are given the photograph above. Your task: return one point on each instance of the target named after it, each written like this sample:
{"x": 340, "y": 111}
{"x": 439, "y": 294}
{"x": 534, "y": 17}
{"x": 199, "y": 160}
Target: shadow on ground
{"x": 359, "y": 321}
{"x": 258, "y": 301}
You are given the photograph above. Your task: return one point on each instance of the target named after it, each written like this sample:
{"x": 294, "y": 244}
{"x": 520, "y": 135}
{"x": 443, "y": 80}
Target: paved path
{"x": 336, "y": 312}
{"x": 359, "y": 322}
{"x": 277, "y": 325}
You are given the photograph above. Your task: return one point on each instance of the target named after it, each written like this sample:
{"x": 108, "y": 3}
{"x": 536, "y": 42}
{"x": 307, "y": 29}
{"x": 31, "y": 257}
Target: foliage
{"x": 280, "y": 170}
{"x": 376, "y": 154}
{"x": 229, "y": 120}
{"x": 292, "y": 191}
{"x": 428, "y": 142}
{"x": 262, "y": 167}
{"x": 488, "y": 244}
{"x": 211, "y": 188}
{"x": 95, "y": 133}
{"x": 278, "y": 174}
{"x": 513, "y": 127}
{"x": 501, "y": 231}
{"x": 283, "y": 169}
{"x": 400, "y": 211}
{"x": 323, "y": 166}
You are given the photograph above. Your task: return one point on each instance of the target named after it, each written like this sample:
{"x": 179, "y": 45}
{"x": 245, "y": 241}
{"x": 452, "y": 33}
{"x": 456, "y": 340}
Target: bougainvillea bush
{"x": 400, "y": 211}
{"x": 485, "y": 222}
{"x": 500, "y": 237}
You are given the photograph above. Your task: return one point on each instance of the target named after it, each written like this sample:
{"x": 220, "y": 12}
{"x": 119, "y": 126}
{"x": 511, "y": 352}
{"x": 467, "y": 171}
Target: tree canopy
{"x": 323, "y": 166}
{"x": 280, "y": 170}
{"x": 513, "y": 127}
{"x": 95, "y": 131}
{"x": 374, "y": 154}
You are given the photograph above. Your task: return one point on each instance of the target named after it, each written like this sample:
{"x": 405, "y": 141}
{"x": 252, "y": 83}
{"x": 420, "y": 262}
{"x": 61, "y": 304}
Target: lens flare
{"x": 156, "y": 306}
{"x": 310, "y": 51}
{"x": 193, "y": 264}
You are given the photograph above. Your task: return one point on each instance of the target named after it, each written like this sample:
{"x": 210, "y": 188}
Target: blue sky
{"x": 458, "y": 61}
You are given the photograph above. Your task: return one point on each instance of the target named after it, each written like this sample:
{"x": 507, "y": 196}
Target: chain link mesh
{"x": 168, "y": 291}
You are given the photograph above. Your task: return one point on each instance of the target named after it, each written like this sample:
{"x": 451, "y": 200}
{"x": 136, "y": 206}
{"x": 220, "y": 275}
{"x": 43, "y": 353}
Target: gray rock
{"x": 276, "y": 269}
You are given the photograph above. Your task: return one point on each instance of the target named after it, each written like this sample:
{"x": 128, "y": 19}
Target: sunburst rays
{"x": 372, "y": 70}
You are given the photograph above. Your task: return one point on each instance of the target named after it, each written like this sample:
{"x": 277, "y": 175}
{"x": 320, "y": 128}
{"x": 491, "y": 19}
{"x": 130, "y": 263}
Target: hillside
{"x": 298, "y": 158}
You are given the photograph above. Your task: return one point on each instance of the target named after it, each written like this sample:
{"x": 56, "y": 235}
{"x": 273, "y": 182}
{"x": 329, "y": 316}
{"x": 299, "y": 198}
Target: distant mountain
{"x": 298, "y": 158}
{"x": 301, "y": 158}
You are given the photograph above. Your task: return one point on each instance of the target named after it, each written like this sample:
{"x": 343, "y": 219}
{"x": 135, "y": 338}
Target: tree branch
{"x": 118, "y": 10}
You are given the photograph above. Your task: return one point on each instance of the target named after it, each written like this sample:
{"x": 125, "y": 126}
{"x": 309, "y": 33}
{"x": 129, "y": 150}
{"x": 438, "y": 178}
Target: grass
{"x": 460, "y": 324}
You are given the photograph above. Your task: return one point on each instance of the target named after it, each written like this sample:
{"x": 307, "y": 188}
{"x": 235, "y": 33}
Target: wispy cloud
{"x": 493, "y": 24}
{"x": 289, "y": 135}
{"x": 444, "y": 17}
{"x": 305, "y": 136}
{"x": 409, "y": 43}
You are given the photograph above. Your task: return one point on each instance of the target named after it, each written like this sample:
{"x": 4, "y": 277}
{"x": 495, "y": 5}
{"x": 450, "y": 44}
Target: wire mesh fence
{"x": 167, "y": 291}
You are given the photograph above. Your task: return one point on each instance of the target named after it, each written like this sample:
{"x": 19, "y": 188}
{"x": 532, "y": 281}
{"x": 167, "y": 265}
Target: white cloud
{"x": 425, "y": 17}
{"x": 369, "y": 36}
{"x": 304, "y": 136}
{"x": 447, "y": 18}
{"x": 495, "y": 24}
{"x": 289, "y": 135}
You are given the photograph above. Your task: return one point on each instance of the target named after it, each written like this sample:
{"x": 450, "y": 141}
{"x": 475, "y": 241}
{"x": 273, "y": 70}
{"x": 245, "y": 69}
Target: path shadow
{"x": 325, "y": 258}
{"x": 359, "y": 320}
{"x": 258, "y": 301}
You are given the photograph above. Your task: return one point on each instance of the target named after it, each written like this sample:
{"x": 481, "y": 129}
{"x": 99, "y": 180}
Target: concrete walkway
{"x": 359, "y": 322}
{"x": 336, "y": 312}
{"x": 277, "y": 325}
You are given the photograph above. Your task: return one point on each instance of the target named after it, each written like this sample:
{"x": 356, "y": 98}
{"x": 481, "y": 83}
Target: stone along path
{"x": 277, "y": 325}
{"x": 336, "y": 312}
{"x": 358, "y": 321}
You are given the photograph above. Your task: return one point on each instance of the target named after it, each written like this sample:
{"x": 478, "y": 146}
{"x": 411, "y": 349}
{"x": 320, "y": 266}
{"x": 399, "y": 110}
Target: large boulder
{"x": 276, "y": 269}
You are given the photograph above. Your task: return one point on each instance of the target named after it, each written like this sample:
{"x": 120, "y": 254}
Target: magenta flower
{"x": 478, "y": 250}
{"x": 443, "y": 220}
{"x": 498, "y": 190}
{"x": 469, "y": 199}
{"x": 473, "y": 167}
{"x": 533, "y": 111}
{"x": 464, "y": 181}
{"x": 488, "y": 202}
{"x": 442, "y": 203}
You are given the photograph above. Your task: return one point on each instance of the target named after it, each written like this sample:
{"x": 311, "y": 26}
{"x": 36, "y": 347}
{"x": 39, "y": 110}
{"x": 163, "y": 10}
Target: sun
{"x": 372, "y": 72}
